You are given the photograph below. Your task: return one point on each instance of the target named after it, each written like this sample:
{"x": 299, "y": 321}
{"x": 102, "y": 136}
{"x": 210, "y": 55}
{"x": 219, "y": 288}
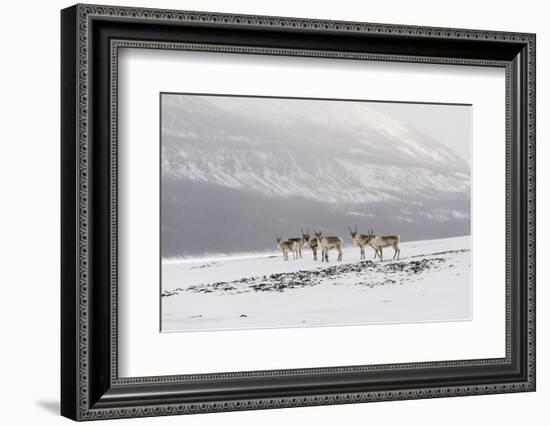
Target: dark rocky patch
{"x": 364, "y": 273}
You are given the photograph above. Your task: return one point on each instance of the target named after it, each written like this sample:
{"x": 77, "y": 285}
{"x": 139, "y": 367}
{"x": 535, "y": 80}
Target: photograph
{"x": 298, "y": 212}
{"x": 267, "y": 209}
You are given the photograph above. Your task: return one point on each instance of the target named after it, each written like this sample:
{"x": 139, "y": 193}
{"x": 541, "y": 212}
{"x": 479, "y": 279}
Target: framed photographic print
{"x": 263, "y": 212}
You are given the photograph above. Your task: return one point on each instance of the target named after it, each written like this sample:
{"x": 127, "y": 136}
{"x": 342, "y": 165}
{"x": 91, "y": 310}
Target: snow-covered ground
{"x": 431, "y": 282}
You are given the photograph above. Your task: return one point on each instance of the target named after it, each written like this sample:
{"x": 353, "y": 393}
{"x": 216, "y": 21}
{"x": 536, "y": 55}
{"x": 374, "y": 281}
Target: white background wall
{"x": 29, "y": 225}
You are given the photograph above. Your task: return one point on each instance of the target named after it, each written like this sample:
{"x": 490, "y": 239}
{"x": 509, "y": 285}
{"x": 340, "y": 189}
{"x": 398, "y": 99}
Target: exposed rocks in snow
{"x": 364, "y": 273}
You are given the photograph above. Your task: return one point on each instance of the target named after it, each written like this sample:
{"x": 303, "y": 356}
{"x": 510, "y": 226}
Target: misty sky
{"x": 450, "y": 125}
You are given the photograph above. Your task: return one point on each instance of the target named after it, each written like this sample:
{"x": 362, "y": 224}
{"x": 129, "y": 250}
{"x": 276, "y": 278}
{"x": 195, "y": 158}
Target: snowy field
{"x": 431, "y": 282}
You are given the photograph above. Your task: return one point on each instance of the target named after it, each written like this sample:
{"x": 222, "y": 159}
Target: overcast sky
{"x": 450, "y": 125}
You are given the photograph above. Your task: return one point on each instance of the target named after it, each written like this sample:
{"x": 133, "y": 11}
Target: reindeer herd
{"x": 326, "y": 243}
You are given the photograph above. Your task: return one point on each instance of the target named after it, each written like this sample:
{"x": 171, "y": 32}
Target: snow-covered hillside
{"x": 431, "y": 282}
{"x": 247, "y": 169}
{"x": 336, "y": 152}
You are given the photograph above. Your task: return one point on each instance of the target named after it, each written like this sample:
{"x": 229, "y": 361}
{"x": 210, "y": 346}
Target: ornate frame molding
{"x": 87, "y": 408}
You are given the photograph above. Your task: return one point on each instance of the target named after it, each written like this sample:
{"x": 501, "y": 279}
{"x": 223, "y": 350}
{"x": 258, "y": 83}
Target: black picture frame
{"x": 90, "y": 386}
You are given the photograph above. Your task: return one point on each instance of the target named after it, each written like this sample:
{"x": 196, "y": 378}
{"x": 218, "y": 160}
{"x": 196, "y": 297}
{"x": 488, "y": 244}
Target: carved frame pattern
{"x": 85, "y": 13}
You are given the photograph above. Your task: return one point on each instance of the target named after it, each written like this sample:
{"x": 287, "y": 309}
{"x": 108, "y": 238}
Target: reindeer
{"x": 313, "y": 243}
{"x": 300, "y": 242}
{"x": 327, "y": 243}
{"x": 286, "y": 246}
{"x": 360, "y": 240}
{"x": 378, "y": 242}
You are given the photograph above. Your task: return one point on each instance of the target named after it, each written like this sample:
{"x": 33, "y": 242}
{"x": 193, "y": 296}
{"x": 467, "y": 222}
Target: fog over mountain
{"x": 236, "y": 171}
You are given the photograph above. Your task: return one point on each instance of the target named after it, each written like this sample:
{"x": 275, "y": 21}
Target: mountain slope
{"x": 337, "y": 152}
{"x": 246, "y": 169}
